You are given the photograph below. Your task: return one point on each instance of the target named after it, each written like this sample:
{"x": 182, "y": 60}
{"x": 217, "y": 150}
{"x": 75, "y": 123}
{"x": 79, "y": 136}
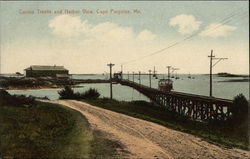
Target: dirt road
{"x": 147, "y": 140}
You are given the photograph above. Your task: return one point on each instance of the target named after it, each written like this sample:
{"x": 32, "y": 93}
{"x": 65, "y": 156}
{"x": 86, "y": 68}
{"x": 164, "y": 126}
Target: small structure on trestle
{"x": 166, "y": 85}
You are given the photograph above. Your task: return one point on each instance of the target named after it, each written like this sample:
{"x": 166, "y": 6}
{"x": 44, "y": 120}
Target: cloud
{"x": 111, "y": 31}
{"x": 86, "y": 47}
{"x": 71, "y": 26}
{"x": 146, "y": 35}
{"x": 215, "y": 30}
{"x": 186, "y": 24}
{"x": 67, "y": 26}
{"x": 83, "y": 42}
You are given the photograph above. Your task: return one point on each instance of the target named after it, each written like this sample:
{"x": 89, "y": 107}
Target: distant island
{"x": 225, "y": 74}
{"x": 245, "y": 78}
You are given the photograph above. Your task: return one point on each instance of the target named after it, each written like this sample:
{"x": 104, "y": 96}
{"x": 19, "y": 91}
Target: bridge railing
{"x": 196, "y": 107}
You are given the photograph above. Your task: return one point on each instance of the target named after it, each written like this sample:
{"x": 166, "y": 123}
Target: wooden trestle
{"x": 196, "y": 107}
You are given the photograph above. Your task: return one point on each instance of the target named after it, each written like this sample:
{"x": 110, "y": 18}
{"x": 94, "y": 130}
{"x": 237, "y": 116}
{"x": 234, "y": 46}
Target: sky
{"x": 85, "y": 36}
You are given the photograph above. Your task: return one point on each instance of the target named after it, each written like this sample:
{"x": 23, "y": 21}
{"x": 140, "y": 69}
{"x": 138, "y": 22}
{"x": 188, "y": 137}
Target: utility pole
{"x": 168, "y": 67}
{"x": 110, "y": 67}
{"x": 174, "y": 69}
{"x": 133, "y": 76}
{"x": 210, "y": 75}
{"x": 149, "y": 78}
{"x": 128, "y": 75}
{"x": 212, "y": 57}
{"x": 154, "y": 72}
{"x": 121, "y": 71}
{"x": 139, "y": 77}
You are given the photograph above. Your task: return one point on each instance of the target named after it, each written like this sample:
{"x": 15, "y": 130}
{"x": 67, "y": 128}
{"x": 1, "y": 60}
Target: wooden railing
{"x": 196, "y": 107}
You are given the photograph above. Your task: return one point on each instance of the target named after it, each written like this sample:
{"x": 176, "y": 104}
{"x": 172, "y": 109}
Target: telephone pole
{"x": 168, "y": 67}
{"x": 139, "y": 77}
{"x": 174, "y": 69}
{"x": 212, "y": 57}
{"x": 210, "y": 75}
{"x": 121, "y": 71}
{"x": 110, "y": 68}
{"x": 128, "y": 75}
{"x": 133, "y": 76}
{"x": 154, "y": 72}
{"x": 149, "y": 78}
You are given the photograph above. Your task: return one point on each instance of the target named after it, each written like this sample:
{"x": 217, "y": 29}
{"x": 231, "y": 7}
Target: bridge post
{"x": 194, "y": 106}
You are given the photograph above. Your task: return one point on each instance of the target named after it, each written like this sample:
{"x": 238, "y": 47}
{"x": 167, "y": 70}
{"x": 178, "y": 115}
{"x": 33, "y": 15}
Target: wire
{"x": 219, "y": 61}
{"x": 221, "y": 23}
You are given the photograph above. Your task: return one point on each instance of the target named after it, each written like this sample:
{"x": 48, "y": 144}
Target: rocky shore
{"x": 9, "y": 83}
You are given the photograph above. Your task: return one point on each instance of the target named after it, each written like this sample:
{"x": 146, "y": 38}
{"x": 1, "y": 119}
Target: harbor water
{"x": 196, "y": 84}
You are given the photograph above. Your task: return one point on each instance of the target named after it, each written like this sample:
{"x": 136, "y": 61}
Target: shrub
{"x": 90, "y": 94}
{"x": 67, "y": 93}
{"x": 14, "y": 100}
{"x": 141, "y": 102}
{"x": 239, "y": 110}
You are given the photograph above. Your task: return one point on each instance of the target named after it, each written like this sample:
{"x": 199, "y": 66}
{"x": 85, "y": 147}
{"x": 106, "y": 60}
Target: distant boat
{"x": 176, "y": 77}
{"x": 155, "y": 76}
{"x": 189, "y": 76}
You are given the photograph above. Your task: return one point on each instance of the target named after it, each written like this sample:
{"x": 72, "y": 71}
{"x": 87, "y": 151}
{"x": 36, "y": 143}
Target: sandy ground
{"x": 146, "y": 140}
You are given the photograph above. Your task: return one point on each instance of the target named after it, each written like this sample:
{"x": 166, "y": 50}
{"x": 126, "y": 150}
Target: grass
{"x": 216, "y": 134}
{"x": 44, "y": 130}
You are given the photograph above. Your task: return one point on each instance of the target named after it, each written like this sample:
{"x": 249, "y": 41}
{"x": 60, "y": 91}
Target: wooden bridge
{"x": 196, "y": 107}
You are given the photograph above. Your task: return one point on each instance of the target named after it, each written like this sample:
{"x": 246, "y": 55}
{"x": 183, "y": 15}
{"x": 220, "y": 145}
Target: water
{"x": 198, "y": 85}
{"x": 120, "y": 92}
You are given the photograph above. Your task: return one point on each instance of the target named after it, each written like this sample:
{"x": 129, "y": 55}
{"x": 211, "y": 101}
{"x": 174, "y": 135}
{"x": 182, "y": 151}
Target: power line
{"x": 221, "y": 23}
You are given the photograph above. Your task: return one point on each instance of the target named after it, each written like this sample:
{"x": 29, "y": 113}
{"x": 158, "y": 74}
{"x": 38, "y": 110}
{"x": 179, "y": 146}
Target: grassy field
{"x": 216, "y": 134}
{"x": 44, "y": 130}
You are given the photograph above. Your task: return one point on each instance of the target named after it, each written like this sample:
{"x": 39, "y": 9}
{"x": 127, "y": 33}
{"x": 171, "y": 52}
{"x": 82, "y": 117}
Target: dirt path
{"x": 147, "y": 140}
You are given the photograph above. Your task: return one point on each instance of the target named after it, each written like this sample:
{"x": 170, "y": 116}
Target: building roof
{"x": 46, "y": 68}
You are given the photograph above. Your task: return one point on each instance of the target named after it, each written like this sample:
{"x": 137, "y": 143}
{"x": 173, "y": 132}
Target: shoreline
{"x": 13, "y": 83}
{"x": 236, "y": 80}
{"x": 39, "y": 88}
{"x": 26, "y": 89}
